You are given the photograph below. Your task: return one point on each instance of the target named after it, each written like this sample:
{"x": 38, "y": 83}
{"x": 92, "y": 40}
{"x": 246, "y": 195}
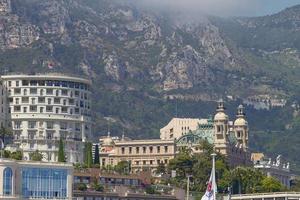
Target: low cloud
{"x": 210, "y": 7}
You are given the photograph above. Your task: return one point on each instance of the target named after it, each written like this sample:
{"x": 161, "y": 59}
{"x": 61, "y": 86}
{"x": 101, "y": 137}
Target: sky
{"x": 224, "y": 7}
{"x": 272, "y": 6}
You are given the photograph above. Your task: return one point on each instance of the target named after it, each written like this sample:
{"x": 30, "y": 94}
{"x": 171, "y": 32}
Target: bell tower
{"x": 241, "y": 127}
{"x": 220, "y": 128}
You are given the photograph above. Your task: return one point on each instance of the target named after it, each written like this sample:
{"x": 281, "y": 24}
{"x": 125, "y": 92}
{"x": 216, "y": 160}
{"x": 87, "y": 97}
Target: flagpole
{"x": 214, "y": 174}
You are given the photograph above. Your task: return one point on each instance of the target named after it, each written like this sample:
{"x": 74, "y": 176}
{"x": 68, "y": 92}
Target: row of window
{"x": 51, "y": 146}
{"x": 50, "y": 101}
{"x": 56, "y": 83}
{"x": 143, "y": 150}
{"x": 42, "y": 92}
{"x": 48, "y": 124}
{"x": 50, "y": 109}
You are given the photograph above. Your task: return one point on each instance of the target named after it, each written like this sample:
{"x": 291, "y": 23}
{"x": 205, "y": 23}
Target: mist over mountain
{"x": 149, "y": 65}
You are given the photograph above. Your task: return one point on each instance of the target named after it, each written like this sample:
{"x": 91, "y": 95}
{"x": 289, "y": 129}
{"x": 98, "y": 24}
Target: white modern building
{"x": 45, "y": 108}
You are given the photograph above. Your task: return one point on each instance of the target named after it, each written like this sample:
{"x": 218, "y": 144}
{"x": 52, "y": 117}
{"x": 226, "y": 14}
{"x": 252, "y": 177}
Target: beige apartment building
{"x": 142, "y": 154}
{"x": 178, "y": 127}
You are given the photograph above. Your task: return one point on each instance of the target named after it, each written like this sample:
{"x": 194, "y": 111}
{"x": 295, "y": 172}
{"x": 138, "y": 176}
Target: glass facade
{"x": 44, "y": 183}
{"x": 7, "y": 181}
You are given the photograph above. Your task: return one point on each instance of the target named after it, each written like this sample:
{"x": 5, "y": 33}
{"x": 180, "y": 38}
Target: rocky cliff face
{"x": 125, "y": 42}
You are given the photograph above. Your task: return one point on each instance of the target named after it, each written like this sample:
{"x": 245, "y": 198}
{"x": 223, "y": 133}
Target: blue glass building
{"x": 35, "y": 180}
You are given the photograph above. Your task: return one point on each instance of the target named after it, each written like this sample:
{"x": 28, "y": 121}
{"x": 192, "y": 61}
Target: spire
{"x": 123, "y": 135}
{"x": 221, "y": 107}
{"x": 240, "y": 112}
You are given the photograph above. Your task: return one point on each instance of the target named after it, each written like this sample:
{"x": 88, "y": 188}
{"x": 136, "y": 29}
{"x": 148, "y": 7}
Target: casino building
{"x": 45, "y": 108}
{"x": 230, "y": 138}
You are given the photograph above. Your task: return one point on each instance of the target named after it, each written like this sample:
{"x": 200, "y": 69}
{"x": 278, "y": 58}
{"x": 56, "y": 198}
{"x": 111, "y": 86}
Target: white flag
{"x": 211, "y": 187}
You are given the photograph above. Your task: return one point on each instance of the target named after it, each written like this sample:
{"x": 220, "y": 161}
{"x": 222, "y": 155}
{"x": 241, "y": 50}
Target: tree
{"x": 270, "y": 184}
{"x": 161, "y": 168}
{"x": 82, "y": 187}
{"x": 88, "y": 154}
{"x": 4, "y": 133}
{"x": 122, "y": 167}
{"x": 36, "y": 156}
{"x": 198, "y": 166}
{"x": 61, "y": 152}
{"x": 96, "y": 159}
{"x": 18, "y": 155}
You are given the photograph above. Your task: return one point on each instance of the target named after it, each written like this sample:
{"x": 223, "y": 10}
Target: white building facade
{"x": 46, "y": 108}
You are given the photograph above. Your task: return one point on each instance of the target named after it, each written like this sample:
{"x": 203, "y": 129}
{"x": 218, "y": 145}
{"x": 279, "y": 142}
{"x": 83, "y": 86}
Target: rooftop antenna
{"x": 176, "y": 108}
{"x": 108, "y": 129}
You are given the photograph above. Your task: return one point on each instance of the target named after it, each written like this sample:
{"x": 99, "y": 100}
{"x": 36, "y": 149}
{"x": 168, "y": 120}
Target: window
{"x": 52, "y": 182}
{"x": 33, "y": 91}
{"x": 41, "y": 109}
{"x": 7, "y": 181}
{"x": 25, "y": 109}
{"x": 218, "y": 128}
{"x": 33, "y": 83}
{"x": 144, "y": 149}
{"x": 25, "y": 91}
{"x": 17, "y": 101}
{"x": 137, "y": 149}
{"x": 166, "y": 149}
{"x": 57, "y": 100}
{"x": 17, "y": 125}
{"x": 41, "y": 83}
{"x": 64, "y": 109}
{"x": 33, "y": 108}
{"x": 151, "y": 149}
{"x": 32, "y": 124}
{"x": 63, "y": 125}
{"x": 49, "y": 91}
{"x": 9, "y": 83}
{"x": 33, "y": 101}
{"x": 17, "y": 83}
{"x": 64, "y": 92}
{"x": 49, "y": 101}
{"x": 130, "y": 150}
{"x": 17, "y": 91}
{"x": 64, "y": 102}
{"x": 49, "y": 125}
{"x": 25, "y": 83}
{"x": 41, "y": 99}
{"x": 41, "y": 92}
{"x": 158, "y": 149}
{"x": 123, "y": 150}
{"x": 57, "y": 92}
{"x": 17, "y": 108}
{"x": 56, "y": 110}
{"x": 25, "y": 99}
{"x": 49, "y": 136}
{"x": 49, "y": 109}
{"x": 77, "y": 127}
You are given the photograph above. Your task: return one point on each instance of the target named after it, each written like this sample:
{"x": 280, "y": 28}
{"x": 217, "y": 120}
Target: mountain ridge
{"x": 148, "y": 66}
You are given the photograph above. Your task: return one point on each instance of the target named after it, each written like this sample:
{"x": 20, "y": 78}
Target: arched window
{"x": 7, "y": 181}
